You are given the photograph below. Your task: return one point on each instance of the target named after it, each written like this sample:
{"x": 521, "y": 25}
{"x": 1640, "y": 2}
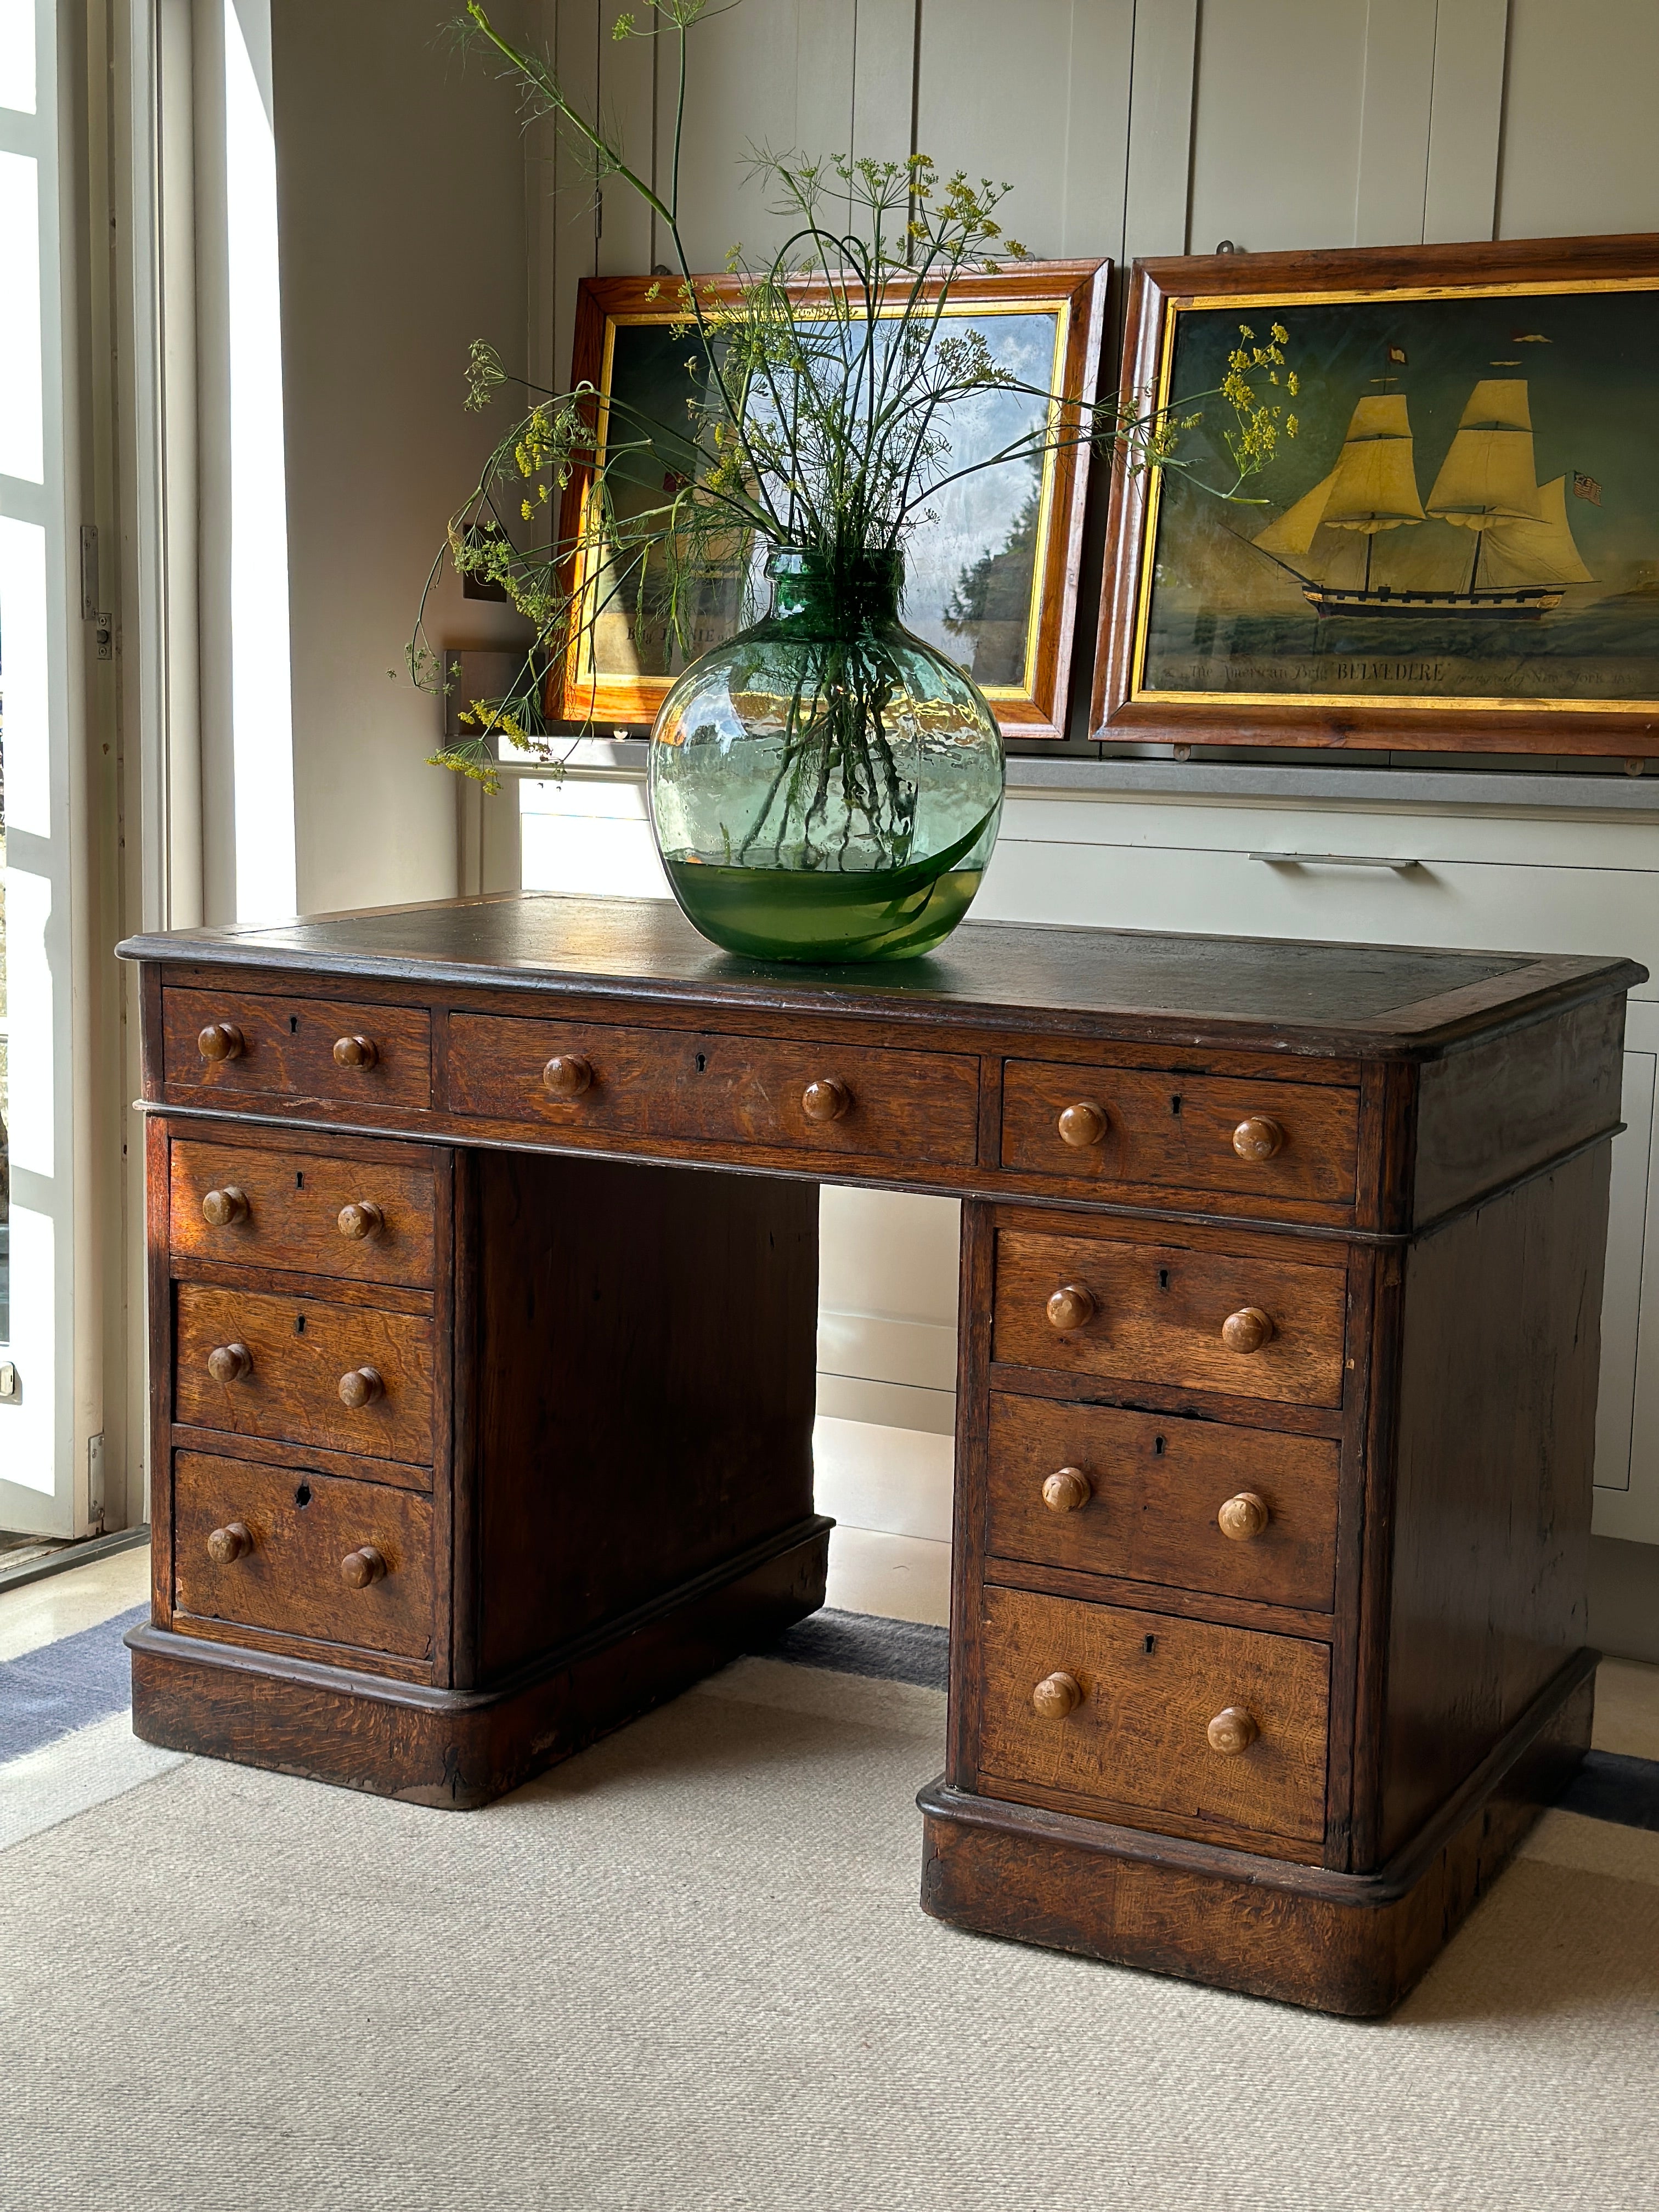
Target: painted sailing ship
{"x": 1524, "y": 554}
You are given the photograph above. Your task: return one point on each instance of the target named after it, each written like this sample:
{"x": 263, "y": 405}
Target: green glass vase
{"x": 825, "y": 786}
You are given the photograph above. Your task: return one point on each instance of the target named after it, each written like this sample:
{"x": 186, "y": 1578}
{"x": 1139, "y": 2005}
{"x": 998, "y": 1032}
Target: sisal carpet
{"x": 687, "y": 1973}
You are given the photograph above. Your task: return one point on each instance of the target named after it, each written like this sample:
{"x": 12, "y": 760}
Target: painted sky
{"x": 970, "y": 517}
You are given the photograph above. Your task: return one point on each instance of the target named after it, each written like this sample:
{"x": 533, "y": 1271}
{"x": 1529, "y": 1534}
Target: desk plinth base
{"x": 1336, "y": 1942}
{"x": 460, "y": 1748}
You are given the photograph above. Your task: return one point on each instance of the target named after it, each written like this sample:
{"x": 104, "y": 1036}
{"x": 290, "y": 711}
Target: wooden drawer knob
{"x": 365, "y": 1565}
{"x": 221, "y": 1040}
{"x": 361, "y": 1387}
{"x": 220, "y": 1207}
{"x": 1231, "y": 1731}
{"x": 1244, "y": 1517}
{"x": 230, "y": 1363}
{"x": 1056, "y": 1695}
{"x": 1246, "y": 1330}
{"x": 1066, "y": 1490}
{"x": 826, "y": 1100}
{"x": 1258, "y": 1137}
{"x": 1083, "y": 1124}
{"x": 360, "y": 1219}
{"x": 356, "y": 1051}
{"x": 1070, "y": 1307}
{"x": 233, "y": 1541}
{"x": 566, "y": 1075}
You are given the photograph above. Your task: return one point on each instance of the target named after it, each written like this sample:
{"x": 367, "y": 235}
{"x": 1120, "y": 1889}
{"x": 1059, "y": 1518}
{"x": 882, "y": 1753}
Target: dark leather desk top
{"x": 1256, "y": 994}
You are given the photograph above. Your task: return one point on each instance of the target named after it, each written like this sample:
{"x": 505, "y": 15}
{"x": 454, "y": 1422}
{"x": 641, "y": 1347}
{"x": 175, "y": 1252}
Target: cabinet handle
{"x": 361, "y": 1218}
{"x": 221, "y": 1040}
{"x": 356, "y": 1051}
{"x": 230, "y": 1363}
{"x": 826, "y": 1100}
{"x": 1083, "y": 1123}
{"x": 220, "y": 1207}
{"x": 365, "y": 1565}
{"x": 1067, "y": 1490}
{"x": 361, "y": 1387}
{"x": 1397, "y": 861}
{"x": 1246, "y": 1330}
{"x": 1231, "y": 1731}
{"x": 566, "y": 1075}
{"x": 1070, "y": 1307}
{"x": 233, "y": 1541}
{"x": 1244, "y": 1517}
{"x": 1056, "y": 1695}
{"x": 1258, "y": 1137}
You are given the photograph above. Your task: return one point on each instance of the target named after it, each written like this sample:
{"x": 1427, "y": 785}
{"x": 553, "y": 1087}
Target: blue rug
{"x": 868, "y": 1643}
{"x": 64, "y": 1686}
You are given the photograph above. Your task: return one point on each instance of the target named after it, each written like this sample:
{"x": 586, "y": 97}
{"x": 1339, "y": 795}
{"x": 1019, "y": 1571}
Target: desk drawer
{"x": 1137, "y": 1126}
{"x": 359, "y": 1219}
{"x": 699, "y": 1084}
{"x": 300, "y": 1352}
{"x": 1139, "y": 1496}
{"x": 272, "y": 1548}
{"x": 1138, "y": 1736}
{"x": 1167, "y": 1313}
{"x": 336, "y": 1051}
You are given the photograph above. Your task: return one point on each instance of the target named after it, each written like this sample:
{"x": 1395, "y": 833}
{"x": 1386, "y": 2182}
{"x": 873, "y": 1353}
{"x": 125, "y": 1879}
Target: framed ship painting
{"x": 1455, "y": 545}
{"x": 991, "y": 574}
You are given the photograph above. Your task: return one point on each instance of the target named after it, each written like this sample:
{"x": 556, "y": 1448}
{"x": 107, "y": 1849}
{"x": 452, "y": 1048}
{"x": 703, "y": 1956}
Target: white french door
{"x": 43, "y": 1444}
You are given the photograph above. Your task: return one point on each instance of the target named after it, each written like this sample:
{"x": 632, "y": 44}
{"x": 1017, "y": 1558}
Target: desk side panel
{"x": 1500, "y": 1353}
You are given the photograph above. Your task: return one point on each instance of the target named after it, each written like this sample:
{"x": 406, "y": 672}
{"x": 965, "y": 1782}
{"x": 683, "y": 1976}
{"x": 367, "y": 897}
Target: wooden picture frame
{"x": 1072, "y": 295}
{"x": 1555, "y": 343}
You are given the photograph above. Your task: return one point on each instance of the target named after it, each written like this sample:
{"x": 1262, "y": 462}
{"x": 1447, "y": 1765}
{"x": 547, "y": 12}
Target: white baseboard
{"x": 888, "y": 1405}
{"x": 881, "y": 1348}
{"x": 893, "y": 1481}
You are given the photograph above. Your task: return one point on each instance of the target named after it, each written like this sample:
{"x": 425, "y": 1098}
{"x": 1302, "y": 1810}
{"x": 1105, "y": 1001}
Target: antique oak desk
{"x": 483, "y": 1240}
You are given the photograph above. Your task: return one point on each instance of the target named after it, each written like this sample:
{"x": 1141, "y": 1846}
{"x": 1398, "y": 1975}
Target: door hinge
{"x": 103, "y": 625}
{"x": 95, "y": 1482}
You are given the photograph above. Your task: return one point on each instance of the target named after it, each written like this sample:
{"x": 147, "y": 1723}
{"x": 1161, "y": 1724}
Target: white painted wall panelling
{"x": 401, "y": 197}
